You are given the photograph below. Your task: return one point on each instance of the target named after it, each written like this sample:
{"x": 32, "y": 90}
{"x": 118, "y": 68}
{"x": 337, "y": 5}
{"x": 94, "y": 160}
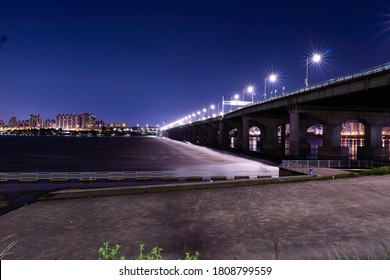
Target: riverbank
{"x": 303, "y": 220}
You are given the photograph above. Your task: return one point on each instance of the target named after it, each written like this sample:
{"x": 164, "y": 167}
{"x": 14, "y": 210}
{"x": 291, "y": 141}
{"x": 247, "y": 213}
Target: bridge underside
{"x": 286, "y": 119}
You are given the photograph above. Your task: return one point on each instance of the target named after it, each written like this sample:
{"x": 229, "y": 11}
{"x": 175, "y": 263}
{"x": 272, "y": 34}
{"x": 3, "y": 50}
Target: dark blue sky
{"x": 146, "y": 61}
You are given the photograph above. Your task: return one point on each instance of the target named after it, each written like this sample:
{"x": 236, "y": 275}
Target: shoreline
{"x": 307, "y": 220}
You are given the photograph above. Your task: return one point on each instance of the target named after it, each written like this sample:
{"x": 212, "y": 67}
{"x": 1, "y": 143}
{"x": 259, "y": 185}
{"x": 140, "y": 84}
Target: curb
{"x": 194, "y": 178}
{"x": 28, "y": 181}
{"x": 218, "y": 178}
{"x": 241, "y": 177}
{"x": 118, "y": 191}
{"x": 87, "y": 180}
{"x": 59, "y": 180}
{"x": 169, "y": 179}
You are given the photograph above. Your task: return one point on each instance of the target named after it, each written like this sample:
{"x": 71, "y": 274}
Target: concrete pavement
{"x": 303, "y": 220}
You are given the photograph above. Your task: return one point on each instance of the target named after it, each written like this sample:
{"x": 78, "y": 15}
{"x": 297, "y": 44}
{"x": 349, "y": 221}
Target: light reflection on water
{"x": 351, "y": 143}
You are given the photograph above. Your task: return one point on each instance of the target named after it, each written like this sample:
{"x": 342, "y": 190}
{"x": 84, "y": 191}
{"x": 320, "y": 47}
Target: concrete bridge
{"x": 363, "y": 96}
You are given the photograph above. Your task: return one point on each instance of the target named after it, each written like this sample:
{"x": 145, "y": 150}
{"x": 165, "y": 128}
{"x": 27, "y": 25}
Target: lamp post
{"x": 212, "y": 108}
{"x": 251, "y": 91}
{"x": 236, "y": 97}
{"x": 315, "y": 58}
{"x": 271, "y": 78}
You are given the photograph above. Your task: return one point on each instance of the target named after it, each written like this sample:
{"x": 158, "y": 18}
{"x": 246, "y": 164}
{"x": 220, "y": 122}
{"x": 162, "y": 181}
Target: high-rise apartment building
{"x": 76, "y": 121}
{"x": 35, "y": 121}
{"x": 13, "y": 122}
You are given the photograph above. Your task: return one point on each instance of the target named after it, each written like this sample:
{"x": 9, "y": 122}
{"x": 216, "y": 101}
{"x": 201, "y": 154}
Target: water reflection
{"x": 253, "y": 144}
{"x": 315, "y": 142}
{"x": 352, "y": 144}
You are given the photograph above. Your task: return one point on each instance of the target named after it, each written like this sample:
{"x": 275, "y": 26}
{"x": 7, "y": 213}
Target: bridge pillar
{"x": 245, "y": 134}
{"x": 190, "y": 135}
{"x": 212, "y": 136}
{"x": 298, "y": 135}
{"x": 202, "y": 135}
{"x": 223, "y": 134}
{"x": 373, "y": 149}
{"x": 270, "y": 140}
{"x": 194, "y": 135}
{"x": 331, "y": 148}
{"x": 283, "y": 140}
{"x": 294, "y": 133}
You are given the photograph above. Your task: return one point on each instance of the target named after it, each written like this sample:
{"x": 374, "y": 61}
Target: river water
{"x": 351, "y": 143}
{"x": 91, "y": 154}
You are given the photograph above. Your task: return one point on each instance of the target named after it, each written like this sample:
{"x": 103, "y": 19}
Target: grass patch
{"x": 106, "y": 252}
{"x": 384, "y": 170}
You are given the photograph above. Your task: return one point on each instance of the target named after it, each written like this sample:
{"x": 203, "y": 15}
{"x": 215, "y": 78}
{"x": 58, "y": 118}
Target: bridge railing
{"x": 359, "y": 74}
{"x": 362, "y": 73}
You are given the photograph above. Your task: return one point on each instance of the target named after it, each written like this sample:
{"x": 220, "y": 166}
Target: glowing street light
{"x": 251, "y": 91}
{"x": 270, "y": 79}
{"x": 316, "y": 58}
{"x": 212, "y": 108}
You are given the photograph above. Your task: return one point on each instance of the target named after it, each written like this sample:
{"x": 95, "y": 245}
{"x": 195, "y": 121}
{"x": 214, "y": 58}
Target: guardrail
{"x": 312, "y": 167}
{"x": 124, "y": 175}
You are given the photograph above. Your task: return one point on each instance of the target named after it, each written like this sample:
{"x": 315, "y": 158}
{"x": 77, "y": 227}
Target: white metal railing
{"x": 125, "y": 175}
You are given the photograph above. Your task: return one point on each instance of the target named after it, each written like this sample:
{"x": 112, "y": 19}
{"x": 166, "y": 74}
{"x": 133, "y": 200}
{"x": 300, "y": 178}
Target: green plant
{"x": 384, "y": 170}
{"x": 189, "y": 257}
{"x": 108, "y": 253}
{"x": 111, "y": 253}
{"x": 154, "y": 254}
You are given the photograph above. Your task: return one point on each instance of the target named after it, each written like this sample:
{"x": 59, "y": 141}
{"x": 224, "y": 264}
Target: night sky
{"x": 148, "y": 61}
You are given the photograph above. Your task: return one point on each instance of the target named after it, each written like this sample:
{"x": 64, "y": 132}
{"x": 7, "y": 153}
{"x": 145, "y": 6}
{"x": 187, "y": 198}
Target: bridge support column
{"x": 294, "y": 133}
{"x": 331, "y": 148}
{"x": 245, "y": 134}
{"x": 373, "y": 149}
{"x": 223, "y": 135}
{"x": 212, "y": 136}
{"x": 298, "y": 135}
{"x": 270, "y": 141}
{"x": 194, "y": 135}
{"x": 283, "y": 140}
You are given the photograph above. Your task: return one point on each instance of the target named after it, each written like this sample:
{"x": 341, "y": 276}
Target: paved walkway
{"x": 306, "y": 220}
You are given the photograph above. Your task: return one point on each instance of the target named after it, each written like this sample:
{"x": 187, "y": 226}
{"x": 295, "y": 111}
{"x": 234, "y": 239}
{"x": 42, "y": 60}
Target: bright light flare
{"x": 316, "y": 58}
{"x": 250, "y": 89}
{"x": 273, "y": 78}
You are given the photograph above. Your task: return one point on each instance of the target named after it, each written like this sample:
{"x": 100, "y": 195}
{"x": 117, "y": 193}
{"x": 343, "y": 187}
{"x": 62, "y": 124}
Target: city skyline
{"x": 66, "y": 121}
{"x": 153, "y": 62}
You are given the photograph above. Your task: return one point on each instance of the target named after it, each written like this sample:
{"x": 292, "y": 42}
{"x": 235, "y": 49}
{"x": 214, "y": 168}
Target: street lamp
{"x": 316, "y": 58}
{"x": 236, "y": 97}
{"x": 272, "y": 79}
{"x": 250, "y": 90}
{"x": 212, "y": 107}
